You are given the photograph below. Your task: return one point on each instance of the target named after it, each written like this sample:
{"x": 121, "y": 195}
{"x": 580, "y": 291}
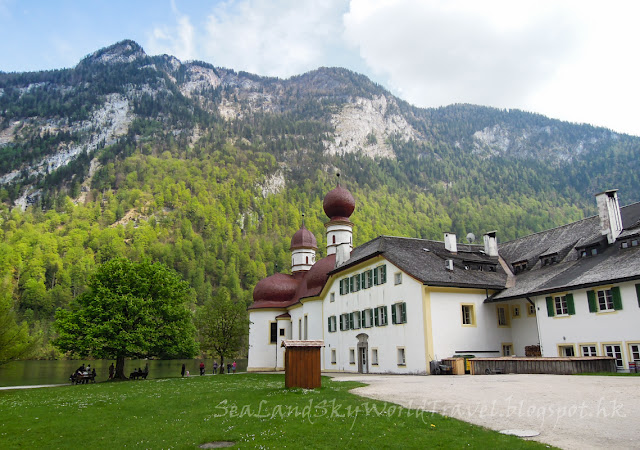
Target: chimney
{"x": 450, "y": 242}
{"x": 490, "y": 243}
{"x": 609, "y": 212}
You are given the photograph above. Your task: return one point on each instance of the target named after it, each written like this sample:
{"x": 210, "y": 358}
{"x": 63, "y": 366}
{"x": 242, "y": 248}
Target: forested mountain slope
{"x": 209, "y": 170}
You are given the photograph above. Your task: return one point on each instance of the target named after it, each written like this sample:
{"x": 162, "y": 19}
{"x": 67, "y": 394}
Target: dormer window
{"x": 586, "y": 252}
{"x": 629, "y": 243}
{"x": 519, "y": 266}
{"x": 547, "y": 260}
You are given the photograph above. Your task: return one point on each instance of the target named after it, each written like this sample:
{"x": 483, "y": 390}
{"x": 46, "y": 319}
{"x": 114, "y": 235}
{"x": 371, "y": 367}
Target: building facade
{"x": 397, "y": 305}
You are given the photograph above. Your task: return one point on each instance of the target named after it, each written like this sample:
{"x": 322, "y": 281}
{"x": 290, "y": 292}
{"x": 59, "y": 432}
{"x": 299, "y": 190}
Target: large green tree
{"x": 223, "y": 325}
{"x": 15, "y": 342}
{"x": 131, "y": 309}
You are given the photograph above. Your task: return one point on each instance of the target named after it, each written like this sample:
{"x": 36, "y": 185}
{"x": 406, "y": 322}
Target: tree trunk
{"x": 119, "y": 375}
{"x": 221, "y": 364}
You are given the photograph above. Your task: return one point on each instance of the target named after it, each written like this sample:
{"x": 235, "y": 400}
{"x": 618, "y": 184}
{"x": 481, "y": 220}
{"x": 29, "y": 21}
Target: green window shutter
{"x": 638, "y": 294}
{"x": 329, "y": 324}
{"x": 551, "y": 308}
{"x": 385, "y": 319}
{"x": 352, "y": 323}
{"x": 375, "y": 317}
{"x": 375, "y": 276}
{"x": 341, "y": 288}
{"x": 341, "y": 322}
{"x": 383, "y": 274}
{"x": 362, "y": 278}
{"x": 346, "y": 285}
{"x": 350, "y": 284}
{"x": 593, "y": 305}
{"x": 571, "y": 308}
{"x": 363, "y": 321}
{"x": 393, "y": 314}
{"x": 617, "y": 298}
{"x": 404, "y": 313}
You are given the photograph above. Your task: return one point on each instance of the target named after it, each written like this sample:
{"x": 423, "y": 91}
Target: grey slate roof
{"x": 611, "y": 264}
{"x": 425, "y": 260}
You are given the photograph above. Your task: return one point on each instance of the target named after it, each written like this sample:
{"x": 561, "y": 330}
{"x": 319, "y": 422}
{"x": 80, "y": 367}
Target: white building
{"x": 394, "y": 305}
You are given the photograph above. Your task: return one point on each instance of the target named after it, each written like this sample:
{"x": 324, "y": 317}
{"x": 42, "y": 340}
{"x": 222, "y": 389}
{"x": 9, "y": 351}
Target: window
{"x": 399, "y": 313}
{"x": 332, "y": 297}
{"x": 344, "y": 286}
{"x": 380, "y": 275}
{"x": 531, "y": 310}
{"x": 560, "y": 305}
{"x": 515, "y": 311}
{"x": 281, "y": 331}
{"x": 306, "y": 328}
{"x": 614, "y": 350}
{"x": 354, "y": 283}
{"x": 344, "y": 322}
{"x": 367, "y": 279}
{"x": 367, "y": 318}
{"x": 380, "y": 316}
{"x": 332, "y": 324}
{"x": 566, "y": 350}
{"x": 605, "y": 300}
{"x": 401, "y": 357}
{"x": 507, "y": 349}
{"x": 634, "y": 352}
{"x": 333, "y": 356}
{"x": 352, "y": 324}
{"x": 503, "y": 316}
{"x": 374, "y": 357}
{"x": 299, "y": 329}
{"x": 468, "y": 315}
{"x": 588, "y": 251}
{"x": 357, "y": 322}
{"x": 589, "y": 350}
{"x": 547, "y": 260}
{"x": 352, "y": 356}
{"x": 397, "y": 278}
{"x": 273, "y": 333}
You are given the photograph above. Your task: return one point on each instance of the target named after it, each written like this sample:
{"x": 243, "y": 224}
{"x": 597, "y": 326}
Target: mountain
{"x": 208, "y": 170}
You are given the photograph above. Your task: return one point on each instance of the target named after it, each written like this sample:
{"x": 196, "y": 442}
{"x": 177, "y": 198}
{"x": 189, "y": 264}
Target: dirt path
{"x": 571, "y": 412}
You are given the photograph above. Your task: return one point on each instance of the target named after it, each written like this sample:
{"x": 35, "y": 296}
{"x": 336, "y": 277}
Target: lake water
{"x": 19, "y": 373}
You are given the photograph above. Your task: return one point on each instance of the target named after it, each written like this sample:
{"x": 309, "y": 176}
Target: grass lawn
{"x": 253, "y": 410}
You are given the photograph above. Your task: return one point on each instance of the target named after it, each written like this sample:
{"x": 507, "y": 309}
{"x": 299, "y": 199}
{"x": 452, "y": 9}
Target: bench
{"x": 137, "y": 375}
{"x": 79, "y": 378}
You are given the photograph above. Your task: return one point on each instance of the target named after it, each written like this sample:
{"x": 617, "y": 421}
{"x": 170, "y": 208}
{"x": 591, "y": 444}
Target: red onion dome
{"x": 276, "y": 288}
{"x": 303, "y": 238}
{"x": 317, "y": 276}
{"x": 339, "y": 203}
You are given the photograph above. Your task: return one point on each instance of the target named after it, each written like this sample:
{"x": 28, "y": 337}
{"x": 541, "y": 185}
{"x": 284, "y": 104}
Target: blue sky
{"x": 567, "y": 59}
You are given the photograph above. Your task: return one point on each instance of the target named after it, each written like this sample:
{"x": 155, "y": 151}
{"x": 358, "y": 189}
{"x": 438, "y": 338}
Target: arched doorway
{"x": 363, "y": 353}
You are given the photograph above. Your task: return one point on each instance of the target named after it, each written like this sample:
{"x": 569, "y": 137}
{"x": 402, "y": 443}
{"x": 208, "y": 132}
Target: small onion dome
{"x": 303, "y": 238}
{"x": 276, "y": 288}
{"x": 339, "y": 204}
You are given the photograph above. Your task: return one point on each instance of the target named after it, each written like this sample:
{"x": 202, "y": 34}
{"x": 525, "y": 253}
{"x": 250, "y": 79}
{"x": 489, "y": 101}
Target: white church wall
{"x": 524, "y": 327}
{"x": 262, "y": 353}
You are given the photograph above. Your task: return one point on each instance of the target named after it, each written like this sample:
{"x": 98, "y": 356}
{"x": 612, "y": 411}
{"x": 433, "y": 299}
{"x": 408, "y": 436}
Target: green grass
{"x": 255, "y": 411}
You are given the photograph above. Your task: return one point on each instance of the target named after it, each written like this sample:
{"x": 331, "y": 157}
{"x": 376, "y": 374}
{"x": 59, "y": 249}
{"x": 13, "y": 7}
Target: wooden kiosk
{"x": 302, "y": 364}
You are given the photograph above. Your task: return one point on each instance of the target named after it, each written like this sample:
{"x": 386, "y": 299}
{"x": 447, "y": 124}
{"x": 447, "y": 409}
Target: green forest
{"x": 199, "y": 206}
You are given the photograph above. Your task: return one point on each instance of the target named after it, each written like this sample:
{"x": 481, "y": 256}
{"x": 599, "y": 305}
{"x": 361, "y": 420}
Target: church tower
{"x": 303, "y": 250}
{"x": 338, "y": 205}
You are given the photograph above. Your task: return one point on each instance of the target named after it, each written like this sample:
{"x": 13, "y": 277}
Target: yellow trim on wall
{"x": 428, "y": 327}
{"x": 507, "y": 344}
{"x": 457, "y": 290}
{"x": 473, "y": 315}
{"x": 560, "y": 346}
{"x": 629, "y": 344}
{"x": 269, "y": 333}
{"x": 535, "y": 311}
{"x": 588, "y": 344}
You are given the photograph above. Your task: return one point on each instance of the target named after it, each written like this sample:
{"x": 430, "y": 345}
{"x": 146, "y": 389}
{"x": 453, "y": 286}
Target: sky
{"x": 573, "y": 60}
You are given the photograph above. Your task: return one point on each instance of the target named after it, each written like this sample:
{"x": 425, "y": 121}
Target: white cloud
{"x": 177, "y": 40}
{"x": 275, "y": 38}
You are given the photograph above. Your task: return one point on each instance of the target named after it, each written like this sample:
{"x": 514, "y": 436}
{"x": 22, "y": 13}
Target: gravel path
{"x": 571, "y": 412}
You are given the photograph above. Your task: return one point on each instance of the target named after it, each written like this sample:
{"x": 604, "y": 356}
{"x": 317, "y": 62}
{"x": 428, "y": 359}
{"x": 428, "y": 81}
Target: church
{"x": 397, "y": 305}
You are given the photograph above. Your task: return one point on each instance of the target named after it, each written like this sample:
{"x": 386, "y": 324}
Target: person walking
{"x": 233, "y": 367}
{"x": 201, "y": 368}
{"x": 215, "y": 367}
{"x": 111, "y": 371}
{"x": 184, "y": 368}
